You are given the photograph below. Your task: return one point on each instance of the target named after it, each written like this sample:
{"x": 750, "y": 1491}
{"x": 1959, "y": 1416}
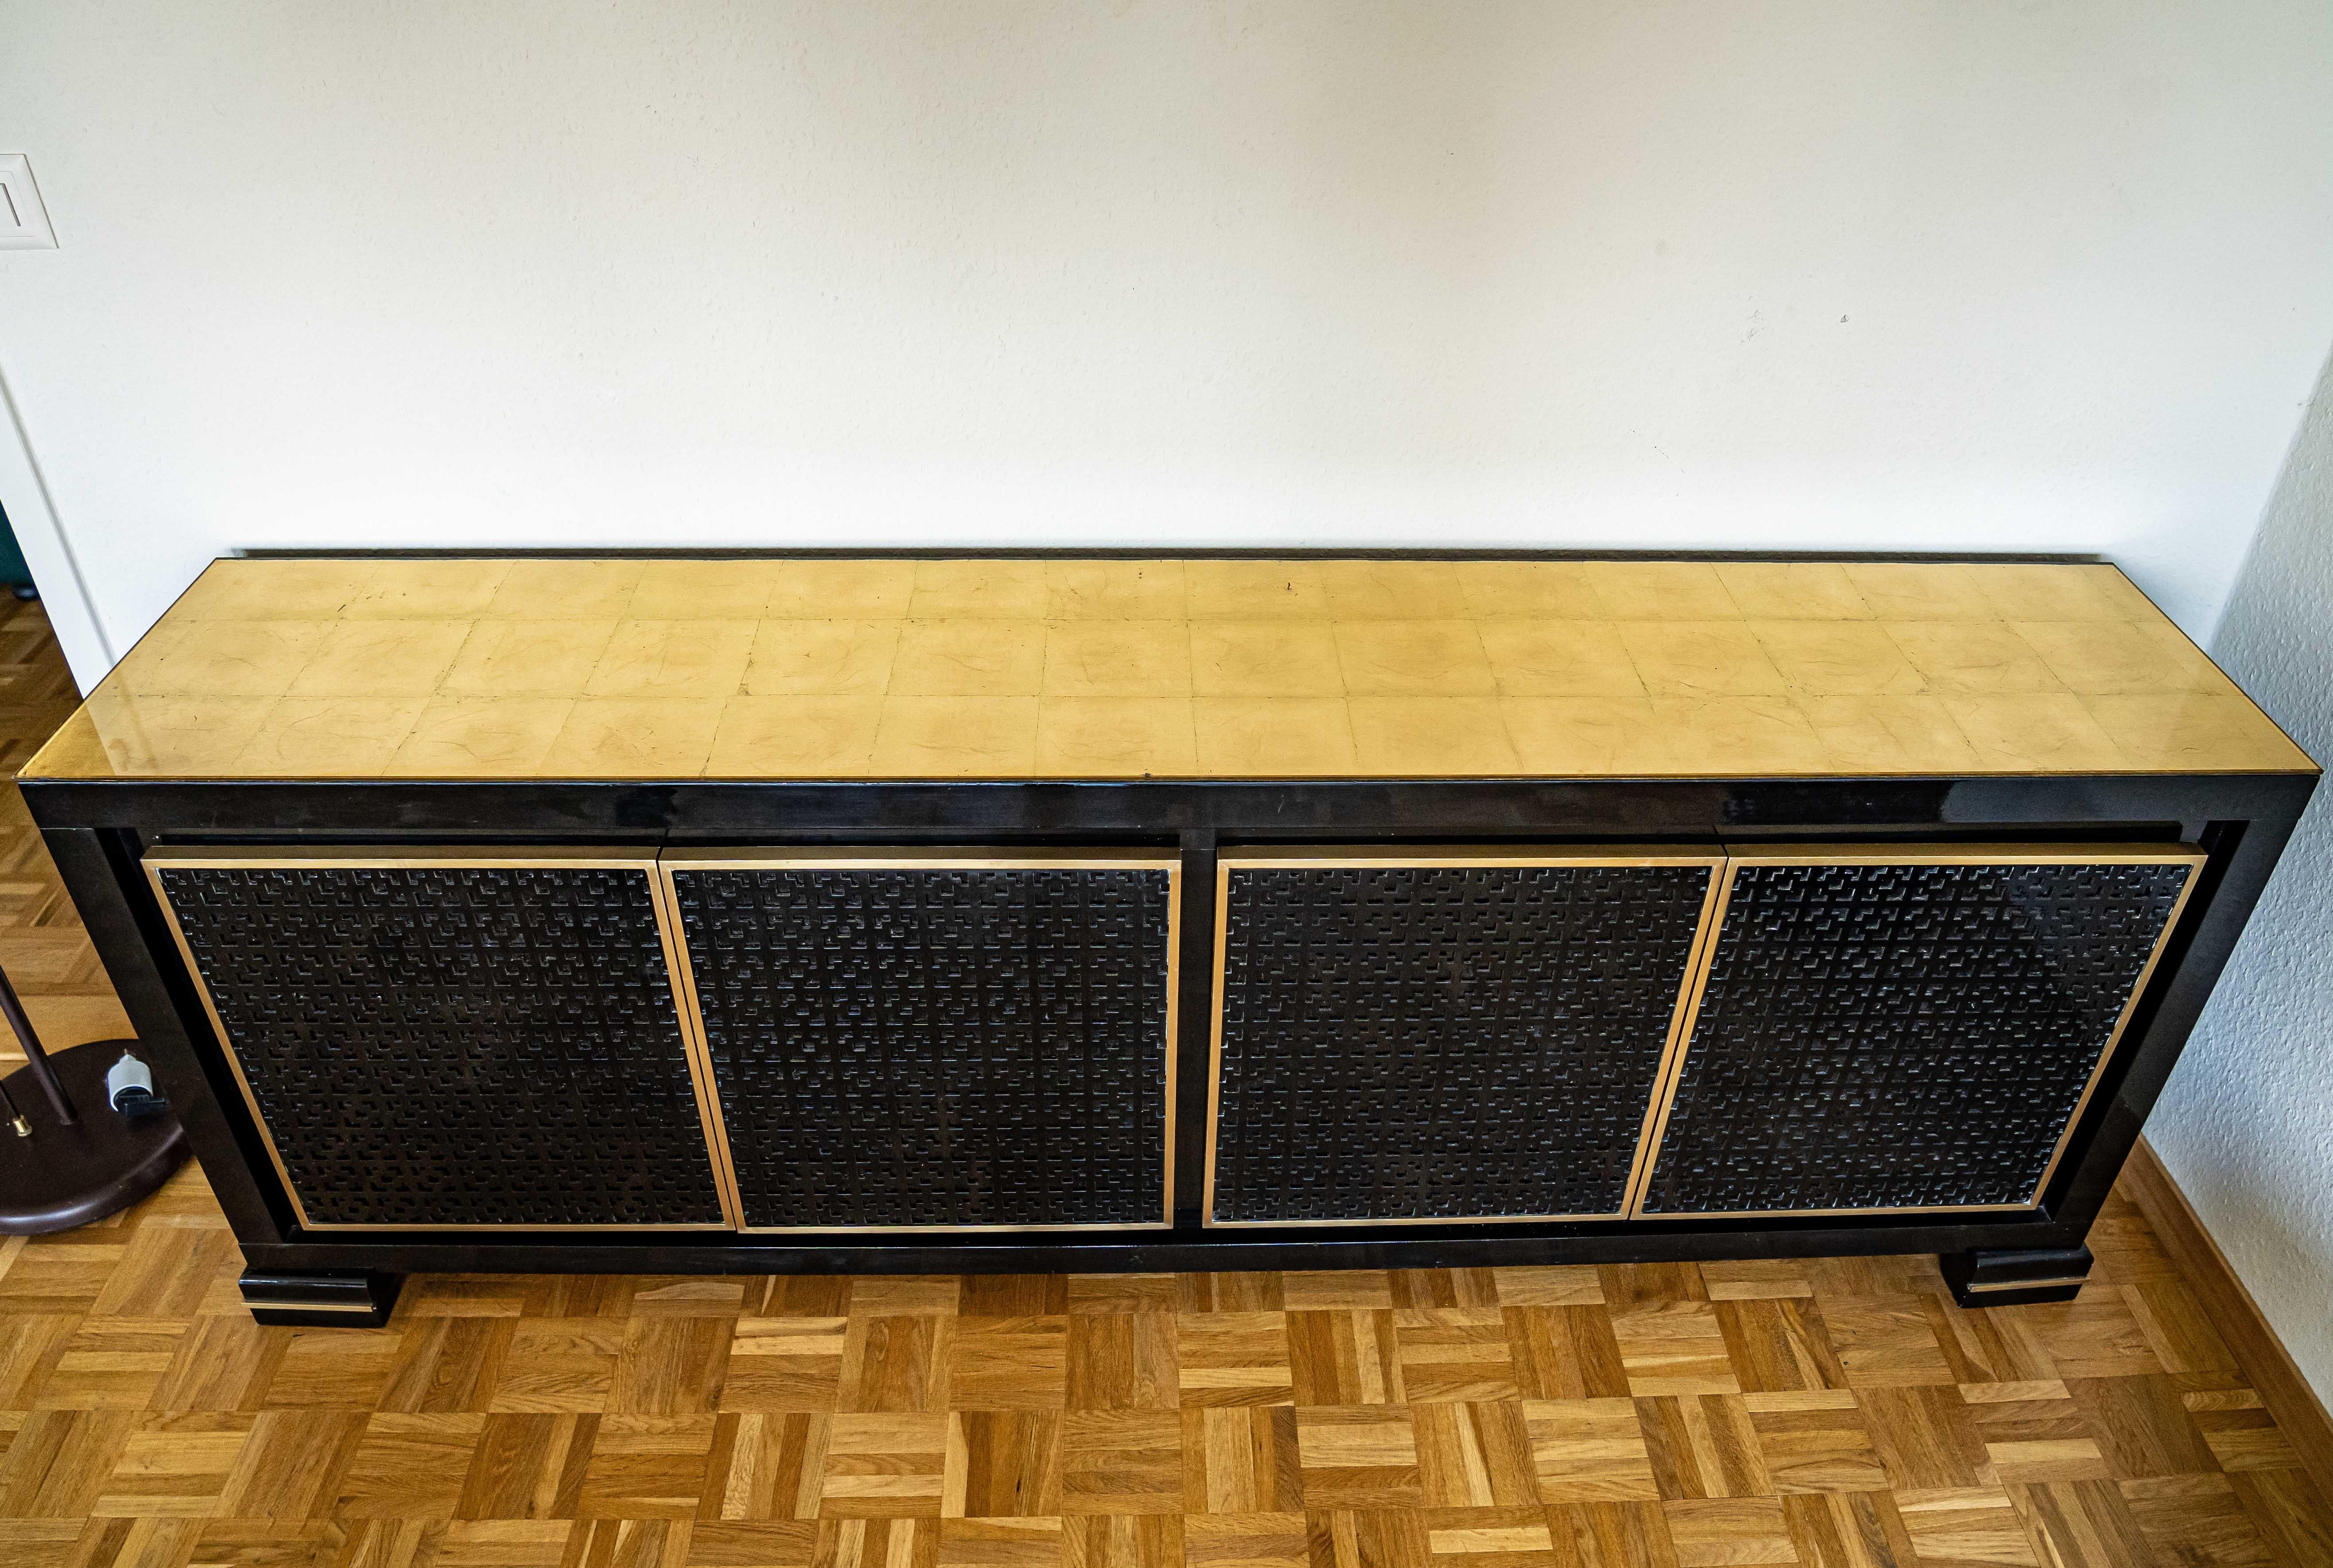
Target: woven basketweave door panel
{"x": 1902, "y": 1036}
{"x": 455, "y": 1045}
{"x": 1419, "y": 1042}
{"x": 938, "y": 1046}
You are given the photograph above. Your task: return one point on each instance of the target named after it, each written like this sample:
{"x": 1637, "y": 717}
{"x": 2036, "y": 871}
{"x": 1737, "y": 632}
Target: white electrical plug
{"x": 130, "y": 1088}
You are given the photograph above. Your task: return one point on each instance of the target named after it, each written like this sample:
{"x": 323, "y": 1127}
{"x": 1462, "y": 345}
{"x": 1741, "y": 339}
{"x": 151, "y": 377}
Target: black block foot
{"x": 2020, "y": 1278}
{"x": 321, "y": 1300}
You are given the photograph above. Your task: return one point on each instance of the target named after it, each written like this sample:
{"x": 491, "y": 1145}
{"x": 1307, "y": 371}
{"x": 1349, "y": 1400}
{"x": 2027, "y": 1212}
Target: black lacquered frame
{"x": 98, "y": 832}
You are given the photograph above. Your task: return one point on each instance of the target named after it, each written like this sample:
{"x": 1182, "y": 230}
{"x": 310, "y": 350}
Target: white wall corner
{"x": 2242, "y": 1125}
{"x": 64, "y": 593}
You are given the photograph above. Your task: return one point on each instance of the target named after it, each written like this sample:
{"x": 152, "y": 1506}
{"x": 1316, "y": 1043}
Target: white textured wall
{"x": 2247, "y": 1122}
{"x": 2040, "y": 274}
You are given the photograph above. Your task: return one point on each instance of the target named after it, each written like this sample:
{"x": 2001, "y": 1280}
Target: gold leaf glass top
{"x": 827, "y": 668}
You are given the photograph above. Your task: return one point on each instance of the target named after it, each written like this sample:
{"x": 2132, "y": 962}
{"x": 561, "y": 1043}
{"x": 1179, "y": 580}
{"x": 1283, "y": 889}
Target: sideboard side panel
{"x": 117, "y": 907}
{"x": 2242, "y": 855}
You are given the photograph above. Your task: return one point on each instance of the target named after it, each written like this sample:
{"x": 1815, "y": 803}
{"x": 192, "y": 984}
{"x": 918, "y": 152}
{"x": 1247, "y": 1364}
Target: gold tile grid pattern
{"x": 1833, "y": 1412}
{"x": 1172, "y": 669}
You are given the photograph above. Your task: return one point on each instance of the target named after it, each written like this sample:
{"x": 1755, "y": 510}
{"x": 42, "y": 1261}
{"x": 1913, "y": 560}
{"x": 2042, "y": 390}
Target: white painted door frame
{"x": 33, "y": 516}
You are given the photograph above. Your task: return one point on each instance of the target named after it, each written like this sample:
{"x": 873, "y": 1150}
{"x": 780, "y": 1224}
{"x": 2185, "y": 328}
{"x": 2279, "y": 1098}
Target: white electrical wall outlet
{"x": 24, "y": 222}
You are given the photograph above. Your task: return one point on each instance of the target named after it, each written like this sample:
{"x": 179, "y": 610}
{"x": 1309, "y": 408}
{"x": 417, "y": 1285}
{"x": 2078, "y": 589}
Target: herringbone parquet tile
{"x": 1834, "y": 1412}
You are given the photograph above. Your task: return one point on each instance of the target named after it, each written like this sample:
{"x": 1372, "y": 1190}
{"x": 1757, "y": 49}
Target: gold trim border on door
{"x": 2185, "y": 855}
{"x": 808, "y": 858}
{"x": 1438, "y": 856}
{"x": 520, "y": 858}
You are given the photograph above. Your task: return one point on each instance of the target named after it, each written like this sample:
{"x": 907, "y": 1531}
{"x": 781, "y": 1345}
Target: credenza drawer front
{"x": 452, "y": 1040}
{"x": 925, "y": 1040}
{"x": 1915, "y": 1029}
{"x": 1436, "y": 1035}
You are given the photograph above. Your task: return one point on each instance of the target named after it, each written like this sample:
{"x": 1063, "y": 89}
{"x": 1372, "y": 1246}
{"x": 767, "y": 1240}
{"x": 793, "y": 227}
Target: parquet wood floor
{"x": 1835, "y": 1412}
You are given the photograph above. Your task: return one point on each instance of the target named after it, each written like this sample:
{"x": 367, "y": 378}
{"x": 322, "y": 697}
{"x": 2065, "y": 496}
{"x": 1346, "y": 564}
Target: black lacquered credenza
{"x": 1160, "y": 914}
